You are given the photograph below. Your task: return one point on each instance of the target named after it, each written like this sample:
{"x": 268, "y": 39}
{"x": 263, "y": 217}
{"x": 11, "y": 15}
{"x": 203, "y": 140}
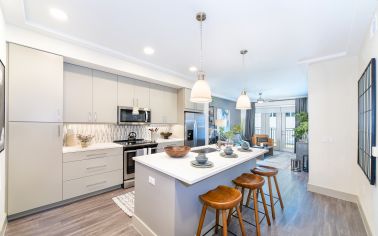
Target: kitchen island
{"x": 167, "y": 190}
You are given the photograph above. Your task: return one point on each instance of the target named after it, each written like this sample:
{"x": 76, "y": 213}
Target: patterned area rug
{"x": 280, "y": 160}
{"x": 126, "y": 202}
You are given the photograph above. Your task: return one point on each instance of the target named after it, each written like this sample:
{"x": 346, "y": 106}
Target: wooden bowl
{"x": 177, "y": 151}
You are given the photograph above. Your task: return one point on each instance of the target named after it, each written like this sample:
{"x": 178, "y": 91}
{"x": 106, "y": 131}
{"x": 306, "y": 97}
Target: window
{"x": 258, "y": 123}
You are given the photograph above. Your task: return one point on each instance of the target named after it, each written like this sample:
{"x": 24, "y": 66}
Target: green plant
{"x": 301, "y": 131}
{"x": 236, "y": 129}
{"x": 229, "y": 134}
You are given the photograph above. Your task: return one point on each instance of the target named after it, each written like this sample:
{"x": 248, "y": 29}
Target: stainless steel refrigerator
{"x": 194, "y": 129}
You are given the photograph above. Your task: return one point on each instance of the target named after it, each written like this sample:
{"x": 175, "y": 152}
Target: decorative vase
{"x": 244, "y": 145}
{"x": 228, "y": 150}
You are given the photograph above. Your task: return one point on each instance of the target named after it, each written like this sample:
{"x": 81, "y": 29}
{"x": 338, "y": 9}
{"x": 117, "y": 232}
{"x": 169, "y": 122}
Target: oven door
{"x": 126, "y": 116}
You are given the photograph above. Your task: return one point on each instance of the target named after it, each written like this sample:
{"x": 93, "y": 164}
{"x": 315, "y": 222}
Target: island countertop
{"x": 181, "y": 169}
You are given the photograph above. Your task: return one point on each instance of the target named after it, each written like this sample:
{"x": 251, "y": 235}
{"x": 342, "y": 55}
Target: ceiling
{"x": 277, "y": 34}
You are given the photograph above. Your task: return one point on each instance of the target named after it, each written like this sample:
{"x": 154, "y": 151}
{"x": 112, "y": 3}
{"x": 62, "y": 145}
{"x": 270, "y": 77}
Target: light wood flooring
{"x": 305, "y": 214}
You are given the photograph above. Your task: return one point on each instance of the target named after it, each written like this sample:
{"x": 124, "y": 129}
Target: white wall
{"x": 332, "y": 107}
{"x": 368, "y": 194}
{"x": 2, "y": 154}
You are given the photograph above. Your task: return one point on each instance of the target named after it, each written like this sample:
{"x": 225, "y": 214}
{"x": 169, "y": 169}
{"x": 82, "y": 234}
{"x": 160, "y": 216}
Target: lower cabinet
{"x": 89, "y": 171}
{"x": 34, "y": 165}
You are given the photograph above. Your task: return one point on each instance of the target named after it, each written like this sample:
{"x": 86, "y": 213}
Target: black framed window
{"x": 367, "y": 121}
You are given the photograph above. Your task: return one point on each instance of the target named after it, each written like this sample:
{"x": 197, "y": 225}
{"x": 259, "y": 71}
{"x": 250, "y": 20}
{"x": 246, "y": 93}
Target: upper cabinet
{"x": 133, "y": 93}
{"x": 89, "y": 95}
{"x": 35, "y": 85}
{"x": 104, "y": 97}
{"x": 163, "y": 104}
{"x": 77, "y": 93}
{"x": 186, "y": 104}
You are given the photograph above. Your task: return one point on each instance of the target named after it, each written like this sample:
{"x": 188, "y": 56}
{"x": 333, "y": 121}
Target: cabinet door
{"x": 125, "y": 92}
{"x": 157, "y": 104}
{"x": 104, "y": 97}
{"x": 77, "y": 93}
{"x": 35, "y": 165}
{"x": 35, "y": 85}
{"x": 171, "y": 105}
{"x": 142, "y": 94}
{"x": 187, "y": 103}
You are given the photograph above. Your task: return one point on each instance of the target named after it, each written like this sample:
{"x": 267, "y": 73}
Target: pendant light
{"x": 201, "y": 92}
{"x": 243, "y": 102}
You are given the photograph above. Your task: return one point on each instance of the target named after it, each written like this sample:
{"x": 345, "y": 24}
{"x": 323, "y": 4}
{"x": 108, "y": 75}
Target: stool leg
{"x": 216, "y": 221}
{"x": 242, "y": 199}
{"x": 249, "y": 197}
{"x": 224, "y": 222}
{"x": 200, "y": 224}
{"x": 265, "y": 207}
{"x": 271, "y": 198}
{"x": 229, "y": 216}
{"x": 240, "y": 221}
{"x": 278, "y": 192}
{"x": 256, "y": 206}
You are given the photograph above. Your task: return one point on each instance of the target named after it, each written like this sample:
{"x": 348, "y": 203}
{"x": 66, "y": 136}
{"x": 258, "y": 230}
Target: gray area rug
{"x": 126, "y": 202}
{"x": 280, "y": 160}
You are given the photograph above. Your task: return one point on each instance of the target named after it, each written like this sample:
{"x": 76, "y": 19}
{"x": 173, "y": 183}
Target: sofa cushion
{"x": 262, "y": 140}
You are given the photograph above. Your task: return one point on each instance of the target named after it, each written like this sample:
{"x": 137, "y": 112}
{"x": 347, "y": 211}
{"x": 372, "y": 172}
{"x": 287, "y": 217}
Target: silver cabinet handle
{"x": 97, "y": 154}
{"x": 95, "y": 116}
{"x": 130, "y": 151}
{"x": 89, "y": 116}
{"x": 95, "y": 167}
{"x": 58, "y": 130}
{"x": 91, "y": 185}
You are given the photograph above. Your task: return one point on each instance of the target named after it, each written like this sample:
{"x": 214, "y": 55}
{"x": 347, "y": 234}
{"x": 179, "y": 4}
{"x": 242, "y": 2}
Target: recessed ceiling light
{"x": 58, "y": 14}
{"x": 148, "y": 50}
{"x": 193, "y": 69}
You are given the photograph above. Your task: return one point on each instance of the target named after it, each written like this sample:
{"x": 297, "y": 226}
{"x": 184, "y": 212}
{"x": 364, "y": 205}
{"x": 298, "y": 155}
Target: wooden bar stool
{"x": 253, "y": 183}
{"x": 268, "y": 172}
{"x": 222, "y": 198}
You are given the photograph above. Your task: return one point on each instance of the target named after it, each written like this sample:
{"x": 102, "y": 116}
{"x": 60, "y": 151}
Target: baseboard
{"x": 332, "y": 193}
{"x": 3, "y": 222}
{"x": 364, "y": 219}
{"x": 141, "y": 227}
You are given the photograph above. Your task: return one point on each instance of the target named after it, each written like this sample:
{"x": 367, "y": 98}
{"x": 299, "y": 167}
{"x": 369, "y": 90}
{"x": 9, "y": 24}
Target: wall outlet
{"x": 151, "y": 180}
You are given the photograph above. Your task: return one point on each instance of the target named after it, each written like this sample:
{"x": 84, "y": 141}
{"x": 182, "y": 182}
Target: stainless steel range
{"x": 133, "y": 147}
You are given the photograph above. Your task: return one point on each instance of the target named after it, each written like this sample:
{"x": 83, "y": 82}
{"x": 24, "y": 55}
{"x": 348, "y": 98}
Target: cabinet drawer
{"x": 92, "y": 154}
{"x": 88, "y": 167}
{"x": 77, "y": 187}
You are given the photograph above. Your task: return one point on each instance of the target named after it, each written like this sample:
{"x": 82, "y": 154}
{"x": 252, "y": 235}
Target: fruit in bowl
{"x": 177, "y": 151}
{"x": 166, "y": 135}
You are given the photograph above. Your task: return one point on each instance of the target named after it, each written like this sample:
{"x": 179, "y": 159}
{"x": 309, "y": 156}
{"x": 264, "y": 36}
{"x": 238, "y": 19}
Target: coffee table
{"x": 269, "y": 148}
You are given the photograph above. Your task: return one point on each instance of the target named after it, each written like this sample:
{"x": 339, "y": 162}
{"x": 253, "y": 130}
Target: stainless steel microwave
{"x": 126, "y": 116}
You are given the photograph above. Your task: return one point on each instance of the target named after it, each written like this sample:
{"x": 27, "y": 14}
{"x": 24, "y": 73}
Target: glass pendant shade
{"x": 243, "y": 102}
{"x": 201, "y": 92}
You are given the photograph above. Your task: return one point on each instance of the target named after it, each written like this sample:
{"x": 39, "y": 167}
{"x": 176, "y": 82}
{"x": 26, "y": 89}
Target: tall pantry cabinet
{"x": 35, "y": 90}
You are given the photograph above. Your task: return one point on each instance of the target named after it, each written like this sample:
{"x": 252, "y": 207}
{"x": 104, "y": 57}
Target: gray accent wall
{"x": 235, "y": 114}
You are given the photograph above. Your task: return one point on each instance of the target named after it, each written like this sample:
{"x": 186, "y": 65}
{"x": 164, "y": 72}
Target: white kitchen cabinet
{"x": 77, "y": 93}
{"x": 188, "y": 105}
{"x": 34, "y": 165}
{"x": 35, "y": 85}
{"x": 133, "y": 93}
{"x": 163, "y": 101}
{"x": 104, "y": 97}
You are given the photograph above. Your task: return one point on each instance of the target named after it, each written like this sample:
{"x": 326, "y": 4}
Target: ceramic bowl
{"x": 201, "y": 158}
{"x": 228, "y": 150}
{"x": 177, "y": 151}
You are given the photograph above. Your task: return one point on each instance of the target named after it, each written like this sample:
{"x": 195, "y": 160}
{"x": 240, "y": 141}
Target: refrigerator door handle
{"x": 195, "y": 133}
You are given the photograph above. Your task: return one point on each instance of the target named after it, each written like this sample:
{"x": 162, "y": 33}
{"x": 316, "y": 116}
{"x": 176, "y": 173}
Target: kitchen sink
{"x": 205, "y": 150}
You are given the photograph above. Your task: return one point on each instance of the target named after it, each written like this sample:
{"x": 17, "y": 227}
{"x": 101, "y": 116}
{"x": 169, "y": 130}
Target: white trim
{"x": 332, "y": 193}
{"x": 3, "y": 223}
{"x": 364, "y": 219}
{"x": 322, "y": 58}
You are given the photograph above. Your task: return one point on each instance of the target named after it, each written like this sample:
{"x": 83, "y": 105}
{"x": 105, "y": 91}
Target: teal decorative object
{"x": 245, "y": 145}
{"x": 228, "y": 150}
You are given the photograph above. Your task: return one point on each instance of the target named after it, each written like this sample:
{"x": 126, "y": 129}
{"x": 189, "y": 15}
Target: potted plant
{"x": 301, "y": 131}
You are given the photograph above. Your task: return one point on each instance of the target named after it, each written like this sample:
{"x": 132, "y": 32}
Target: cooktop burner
{"x": 135, "y": 142}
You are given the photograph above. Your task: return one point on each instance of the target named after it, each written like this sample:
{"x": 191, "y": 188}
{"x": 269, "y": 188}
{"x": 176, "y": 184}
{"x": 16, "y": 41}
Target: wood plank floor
{"x": 305, "y": 214}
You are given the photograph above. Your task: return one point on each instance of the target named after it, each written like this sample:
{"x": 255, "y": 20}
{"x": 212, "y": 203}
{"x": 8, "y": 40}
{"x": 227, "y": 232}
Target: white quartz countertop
{"x": 95, "y": 146}
{"x": 181, "y": 169}
{"x": 161, "y": 140}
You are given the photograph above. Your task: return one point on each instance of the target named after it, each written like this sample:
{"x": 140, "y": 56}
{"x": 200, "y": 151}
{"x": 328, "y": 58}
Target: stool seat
{"x": 250, "y": 181}
{"x": 265, "y": 171}
{"x": 222, "y": 197}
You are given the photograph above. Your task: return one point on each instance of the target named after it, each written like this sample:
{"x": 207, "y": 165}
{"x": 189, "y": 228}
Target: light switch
{"x": 374, "y": 151}
{"x": 151, "y": 180}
